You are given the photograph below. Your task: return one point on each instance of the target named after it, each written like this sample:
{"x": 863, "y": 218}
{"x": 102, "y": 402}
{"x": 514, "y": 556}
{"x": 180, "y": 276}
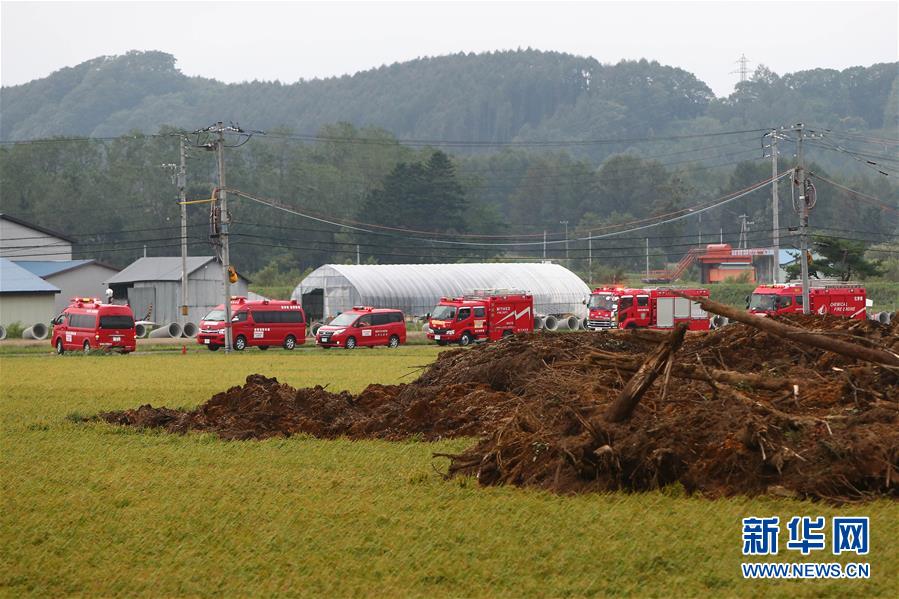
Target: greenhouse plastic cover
{"x": 416, "y": 288}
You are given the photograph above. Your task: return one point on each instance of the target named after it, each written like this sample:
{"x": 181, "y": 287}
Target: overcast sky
{"x": 288, "y": 40}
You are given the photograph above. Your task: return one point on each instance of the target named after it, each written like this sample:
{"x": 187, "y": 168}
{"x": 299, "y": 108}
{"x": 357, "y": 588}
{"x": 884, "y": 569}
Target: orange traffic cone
{"x": 183, "y": 350}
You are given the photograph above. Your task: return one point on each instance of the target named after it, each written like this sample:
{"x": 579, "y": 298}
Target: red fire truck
{"x": 261, "y": 323}
{"x": 847, "y": 301}
{"x": 89, "y": 324}
{"x": 485, "y": 314}
{"x": 654, "y": 308}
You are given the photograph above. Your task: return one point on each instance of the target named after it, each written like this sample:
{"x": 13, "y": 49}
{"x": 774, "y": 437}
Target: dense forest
{"x": 453, "y": 158}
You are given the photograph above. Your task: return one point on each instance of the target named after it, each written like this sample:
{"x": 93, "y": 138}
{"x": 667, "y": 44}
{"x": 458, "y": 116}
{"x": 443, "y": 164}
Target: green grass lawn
{"x": 97, "y": 510}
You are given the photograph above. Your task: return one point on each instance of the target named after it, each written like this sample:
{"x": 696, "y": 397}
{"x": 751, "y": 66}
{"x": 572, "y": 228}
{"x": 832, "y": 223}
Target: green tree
{"x": 838, "y": 258}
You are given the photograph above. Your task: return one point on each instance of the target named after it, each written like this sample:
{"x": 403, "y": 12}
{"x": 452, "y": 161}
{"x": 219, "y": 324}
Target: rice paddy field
{"x": 92, "y": 509}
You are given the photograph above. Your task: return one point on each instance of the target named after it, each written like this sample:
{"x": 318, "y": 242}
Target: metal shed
{"x": 416, "y": 288}
{"x": 153, "y": 286}
{"x": 76, "y": 278}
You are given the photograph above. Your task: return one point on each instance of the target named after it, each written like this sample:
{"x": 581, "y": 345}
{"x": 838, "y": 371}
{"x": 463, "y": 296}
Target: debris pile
{"x": 738, "y": 410}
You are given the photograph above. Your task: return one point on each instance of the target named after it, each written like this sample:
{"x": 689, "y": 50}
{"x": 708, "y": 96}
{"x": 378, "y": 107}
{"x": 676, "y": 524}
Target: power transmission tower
{"x": 744, "y": 68}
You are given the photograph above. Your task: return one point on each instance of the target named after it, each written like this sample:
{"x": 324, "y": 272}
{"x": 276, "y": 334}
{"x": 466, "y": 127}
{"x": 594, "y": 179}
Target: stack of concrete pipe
{"x": 189, "y": 330}
{"x": 2, "y": 332}
{"x": 539, "y": 322}
{"x": 37, "y": 331}
{"x": 884, "y": 317}
{"x": 551, "y": 323}
{"x": 314, "y": 328}
{"x": 172, "y": 330}
{"x": 140, "y": 330}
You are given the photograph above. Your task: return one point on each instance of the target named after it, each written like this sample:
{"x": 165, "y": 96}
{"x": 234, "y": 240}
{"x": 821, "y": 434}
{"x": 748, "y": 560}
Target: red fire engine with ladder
{"x": 653, "y": 308}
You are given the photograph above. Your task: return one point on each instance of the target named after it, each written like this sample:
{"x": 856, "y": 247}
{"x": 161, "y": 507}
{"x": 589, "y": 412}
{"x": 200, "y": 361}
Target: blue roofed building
{"x": 24, "y": 297}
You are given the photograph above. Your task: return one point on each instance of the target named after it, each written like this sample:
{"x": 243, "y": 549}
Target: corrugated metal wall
{"x": 204, "y": 292}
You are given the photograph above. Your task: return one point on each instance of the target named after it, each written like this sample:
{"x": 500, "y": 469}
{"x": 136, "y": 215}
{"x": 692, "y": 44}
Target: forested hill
{"x": 524, "y": 95}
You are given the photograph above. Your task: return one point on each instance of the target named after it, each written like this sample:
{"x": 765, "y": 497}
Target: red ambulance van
{"x": 261, "y": 324}
{"x": 88, "y": 324}
{"x": 364, "y": 326}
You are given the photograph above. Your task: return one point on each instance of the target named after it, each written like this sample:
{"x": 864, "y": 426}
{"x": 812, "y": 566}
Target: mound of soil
{"x": 739, "y": 411}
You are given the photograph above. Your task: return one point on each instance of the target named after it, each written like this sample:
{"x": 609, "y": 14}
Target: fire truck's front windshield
{"x": 763, "y": 302}
{"x": 601, "y": 301}
{"x": 444, "y": 313}
{"x": 215, "y": 316}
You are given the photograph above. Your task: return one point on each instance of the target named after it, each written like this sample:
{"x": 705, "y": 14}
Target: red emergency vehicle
{"x": 255, "y": 323}
{"x": 847, "y": 301}
{"x": 654, "y": 308}
{"x": 88, "y": 324}
{"x": 363, "y": 326}
{"x": 485, "y": 314}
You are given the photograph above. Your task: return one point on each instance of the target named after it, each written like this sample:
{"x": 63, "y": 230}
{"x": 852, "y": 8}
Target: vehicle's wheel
{"x": 441, "y": 343}
{"x": 213, "y": 347}
{"x": 290, "y": 342}
{"x": 465, "y": 339}
{"x": 59, "y": 348}
{"x": 394, "y": 342}
{"x": 240, "y": 343}
{"x": 631, "y": 325}
{"x": 507, "y": 334}
{"x": 263, "y": 347}
{"x": 87, "y": 346}
{"x": 350, "y": 343}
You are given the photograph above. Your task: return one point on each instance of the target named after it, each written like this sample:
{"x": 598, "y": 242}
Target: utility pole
{"x": 700, "y": 229}
{"x": 223, "y": 230}
{"x": 647, "y": 257}
{"x": 182, "y": 194}
{"x": 803, "y": 218}
{"x": 744, "y": 231}
{"x": 544, "y": 244}
{"x": 358, "y": 261}
{"x": 565, "y": 222}
{"x": 590, "y": 257}
{"x": 775, "y": 208}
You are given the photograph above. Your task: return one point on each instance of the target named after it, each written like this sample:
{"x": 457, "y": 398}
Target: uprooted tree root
{"x": 735, "y": 411}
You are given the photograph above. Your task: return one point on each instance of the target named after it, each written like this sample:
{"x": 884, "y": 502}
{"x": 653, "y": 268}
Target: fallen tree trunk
{"x": 623, "y": 406}
{"x": 686, "y": 371}
{"x": 799, "y": 335}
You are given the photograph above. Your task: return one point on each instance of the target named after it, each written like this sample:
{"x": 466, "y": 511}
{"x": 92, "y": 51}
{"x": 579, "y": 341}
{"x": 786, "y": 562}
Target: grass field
{"x": 92, "y": 509}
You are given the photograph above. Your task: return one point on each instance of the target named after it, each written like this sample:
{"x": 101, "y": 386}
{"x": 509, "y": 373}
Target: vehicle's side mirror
{"x": 428, "y": 316}
{"x": 584, "y": 301}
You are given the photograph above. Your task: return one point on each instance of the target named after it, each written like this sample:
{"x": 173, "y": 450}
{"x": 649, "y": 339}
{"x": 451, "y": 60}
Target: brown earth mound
{"x": 739, "y": 411}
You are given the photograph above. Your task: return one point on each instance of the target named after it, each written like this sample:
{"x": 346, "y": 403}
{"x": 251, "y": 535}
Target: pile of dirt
{"x": 738, "y": 411}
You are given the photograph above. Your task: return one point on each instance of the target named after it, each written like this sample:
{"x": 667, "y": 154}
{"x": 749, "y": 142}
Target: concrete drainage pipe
{"x": 172, "y": 330}
{"x": 36, "y": 331}
{"x": 551, "y": 323}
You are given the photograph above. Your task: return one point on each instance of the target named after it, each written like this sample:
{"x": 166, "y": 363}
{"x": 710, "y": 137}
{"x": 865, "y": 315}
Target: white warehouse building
{"x": 416, "y": 288}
